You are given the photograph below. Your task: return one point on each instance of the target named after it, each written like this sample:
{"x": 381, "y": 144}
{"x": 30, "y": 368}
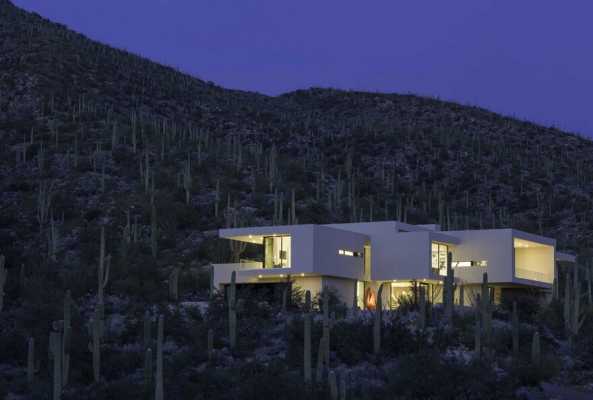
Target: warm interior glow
{"x": 439, "y": 257}
{"x": 277, "y": 252}
{"x": 533, "y": 261}
{"x": 370, "y": 299}
{"x": 349, "y": 253}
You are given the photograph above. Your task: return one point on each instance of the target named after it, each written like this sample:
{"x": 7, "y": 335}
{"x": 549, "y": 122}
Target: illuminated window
{"x": 349, "y": 253}
{"x": 439, "y": 258}
{"x": 277, "y": 252}
{"x": 468, "y": 264}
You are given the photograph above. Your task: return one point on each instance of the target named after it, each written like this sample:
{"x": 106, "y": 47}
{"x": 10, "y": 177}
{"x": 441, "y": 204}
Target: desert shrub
{"x": 529, "y": 304}
{"x": 336, "y": 305}
{"x": 428, "y": 375}
{"x": 524, "y": 373}
{"x": 352, "y": 342}
{"x": 551, "y": 315}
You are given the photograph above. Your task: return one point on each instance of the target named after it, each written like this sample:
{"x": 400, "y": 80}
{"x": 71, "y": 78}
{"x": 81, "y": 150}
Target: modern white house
{"x": 355, "y": 258}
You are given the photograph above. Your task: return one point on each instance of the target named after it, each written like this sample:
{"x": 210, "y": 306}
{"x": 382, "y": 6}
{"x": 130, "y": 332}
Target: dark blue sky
{"x": 532, "y": 59}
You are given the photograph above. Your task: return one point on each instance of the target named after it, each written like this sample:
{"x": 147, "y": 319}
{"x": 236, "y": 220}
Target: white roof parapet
{"x": 565, "y": 257}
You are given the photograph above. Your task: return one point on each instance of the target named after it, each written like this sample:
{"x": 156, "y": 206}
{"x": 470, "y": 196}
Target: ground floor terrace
{"x": 364, "y": 294}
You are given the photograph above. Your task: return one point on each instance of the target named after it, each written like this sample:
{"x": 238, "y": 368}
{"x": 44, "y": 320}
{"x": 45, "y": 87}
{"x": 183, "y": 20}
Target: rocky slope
{"x": 80, "y": 119}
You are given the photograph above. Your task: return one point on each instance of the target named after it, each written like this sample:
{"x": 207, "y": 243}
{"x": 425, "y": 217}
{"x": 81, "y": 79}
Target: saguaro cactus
{"x": 147, "y": 370}
{"x": 486, "y": 310}
{"x": 210, "y": 344}
{"x": 573, "y": 318}
{"x": 102, "y": 276}
{"x": 477, "y": 339}
{"x": 3, "y": 276}
{"x": 30, "y": 360}
{"x": 55, "y": 352}
{"x": 307, "y": 338}
{"x": 285, "y": 294}
{"x": 320, "y": 360}
{"x": 477, "y": 330}
{"x": 333, "y": 385}
{"x": 343, "y": 385}
{"x": 232, "y": 305}
{"x": 96, "y": 333}
{"x": 159, "y": 390}
{"x": 515, "y": 329}
{"x": 590, "y": 285}
{"x": 535, "y": 350}
{"x": 326, "y": 327}
{"x": 421, "y": 322}
{"x": 147, "y": 331}
{"x": 567, "y": 305}
{"x": 378, "y": 322}
{"x": 154, "y": 232}
{"x": 449, "y": 292}
{"x": 66, "y": 334}
{"x": 174, "y": 284}
{"x": 187, "y": 179}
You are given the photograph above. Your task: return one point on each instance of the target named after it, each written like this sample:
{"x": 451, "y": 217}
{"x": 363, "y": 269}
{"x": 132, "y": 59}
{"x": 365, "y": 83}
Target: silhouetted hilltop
{"x": 84, "y": 116}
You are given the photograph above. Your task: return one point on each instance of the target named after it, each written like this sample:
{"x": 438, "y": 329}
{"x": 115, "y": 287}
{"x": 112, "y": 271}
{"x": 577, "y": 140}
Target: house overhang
{"x": 530, "y": 237}
{"x": 256, "y": 234}
{"x": 565, "y": 257}
{"x": 441, "y": 237}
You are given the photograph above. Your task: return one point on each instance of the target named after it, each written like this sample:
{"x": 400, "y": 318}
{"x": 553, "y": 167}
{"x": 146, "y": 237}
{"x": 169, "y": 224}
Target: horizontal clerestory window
{"x": 469, "y": 264}
{"x": 349, "y": 253}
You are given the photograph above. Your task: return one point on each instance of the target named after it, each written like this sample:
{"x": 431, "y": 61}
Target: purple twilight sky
{"x": 532, "y": 59}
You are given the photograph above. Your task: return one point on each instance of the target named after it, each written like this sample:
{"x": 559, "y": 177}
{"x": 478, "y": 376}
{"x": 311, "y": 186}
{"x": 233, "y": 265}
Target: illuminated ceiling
{"x": 525, "y": 244}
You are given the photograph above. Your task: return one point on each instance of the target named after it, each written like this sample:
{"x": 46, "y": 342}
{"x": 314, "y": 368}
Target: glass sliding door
{"x": 439, "y": 258}
{"x": 277, "y": 251}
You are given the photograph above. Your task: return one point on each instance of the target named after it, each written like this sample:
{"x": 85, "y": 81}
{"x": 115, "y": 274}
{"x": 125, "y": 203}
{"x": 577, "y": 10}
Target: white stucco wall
{"x": 405, "y": 256}
{"x": 395, "y": 255}
{"x": 327, "y": 261}
{"x": 493, "y": 245}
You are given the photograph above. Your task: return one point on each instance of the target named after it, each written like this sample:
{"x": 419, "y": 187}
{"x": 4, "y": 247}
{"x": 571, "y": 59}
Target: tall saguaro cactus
{"x": 55, "y": 352}
{"x": 66, "y": 335}
{"x": 210, "y": 344}
{"x": 378, "y": 321}
{"x": 326, "y": 327}
{"x": 96, "y": 333}
{"x": 154, "y": 232}
{"x": 320, "y": 360}
{"x": 333, "y": 385}
{"x": 147, "y": 371}
{"x": 573, "y": 318}
{"x": 486, "y": 310}
{"x": 187, "y": 179}
{"x": 159, "y": 390}
{"x": 515, "y": 329}
{"x": 30, "y": 360}
{"x": 3, "y": 276}
{"x": 421, "y": 322}
{"x": 102, "y": 275}
{"x": 477, "y": 330}
{"x": 535, "y": 349}
{"x": 307, "y": 338}
{"x": 232, "y": 305}
{"x": 448, "y": 290}
{"x": 174, "y": 284}
{"x": 147, "y": 331}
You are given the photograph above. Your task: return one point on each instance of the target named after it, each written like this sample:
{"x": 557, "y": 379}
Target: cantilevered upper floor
{"x": 390, "y": 251}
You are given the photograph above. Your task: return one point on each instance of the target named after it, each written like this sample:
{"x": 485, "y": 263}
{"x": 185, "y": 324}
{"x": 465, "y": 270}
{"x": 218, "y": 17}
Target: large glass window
{"x": 277, "y": 252}
{"x": 439, "y": 258}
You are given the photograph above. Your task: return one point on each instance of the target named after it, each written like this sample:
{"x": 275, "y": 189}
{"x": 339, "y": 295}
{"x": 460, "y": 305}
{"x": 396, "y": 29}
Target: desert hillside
{"x": 94, "y": 138}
